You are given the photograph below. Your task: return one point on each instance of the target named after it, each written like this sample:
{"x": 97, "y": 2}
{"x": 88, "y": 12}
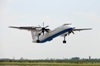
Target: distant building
{"x": 89, "y": 57}
{"x": 21, "y": 58}
{"x": 75, "y": 58}
{"x": 13, "y": 58}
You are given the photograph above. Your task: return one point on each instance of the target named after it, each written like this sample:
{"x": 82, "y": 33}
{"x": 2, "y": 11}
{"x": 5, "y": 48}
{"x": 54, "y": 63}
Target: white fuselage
{"x": 54, "y": 33}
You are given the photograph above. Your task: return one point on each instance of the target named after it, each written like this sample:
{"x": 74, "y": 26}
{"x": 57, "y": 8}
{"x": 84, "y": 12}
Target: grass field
{"x": 46, "y": 64}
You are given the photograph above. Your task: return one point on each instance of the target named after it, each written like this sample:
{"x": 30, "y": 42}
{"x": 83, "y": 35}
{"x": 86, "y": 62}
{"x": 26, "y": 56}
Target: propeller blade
{"x": 39, "y": 26}
{"x": 43, "y": 24}
{"x": 43, "y": 32}
{"x": 73, "y": 32}
{"x": 43, "y": 29}
{"x": 69, "y": 32}
{"x": 47, "y": 30}
{"x": 47, "y": 26}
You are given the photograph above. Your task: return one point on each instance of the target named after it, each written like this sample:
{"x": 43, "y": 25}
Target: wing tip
{"x": 12, "y": 27}
{"x": 89, "y": 29}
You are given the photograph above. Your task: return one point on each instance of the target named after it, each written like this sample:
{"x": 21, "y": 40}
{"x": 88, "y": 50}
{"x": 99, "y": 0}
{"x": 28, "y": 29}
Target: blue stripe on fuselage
{"x": 55, "y": 35}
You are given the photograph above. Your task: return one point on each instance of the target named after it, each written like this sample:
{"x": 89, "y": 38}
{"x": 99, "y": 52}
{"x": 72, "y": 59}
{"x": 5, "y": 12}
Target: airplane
{"x": 43, "y": 34}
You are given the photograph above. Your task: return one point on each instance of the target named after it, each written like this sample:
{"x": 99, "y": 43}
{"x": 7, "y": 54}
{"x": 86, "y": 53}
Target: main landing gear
{"x": 38, "y": 38}
{"x": 64, "y": 41}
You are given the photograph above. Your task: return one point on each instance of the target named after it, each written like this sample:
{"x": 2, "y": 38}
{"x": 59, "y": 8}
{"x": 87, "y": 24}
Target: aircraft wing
{"x": 72, "y": 31}
{"x": 25, "y": 28}
{"x": 82, "y": 29}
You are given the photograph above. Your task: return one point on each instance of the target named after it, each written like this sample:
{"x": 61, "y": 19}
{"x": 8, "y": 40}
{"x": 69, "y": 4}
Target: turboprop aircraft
{"x": 43, "y": 34}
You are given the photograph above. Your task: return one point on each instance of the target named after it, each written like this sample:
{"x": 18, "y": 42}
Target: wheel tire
{"x": 38, "y": 41}
{"x": 64, "y": 41}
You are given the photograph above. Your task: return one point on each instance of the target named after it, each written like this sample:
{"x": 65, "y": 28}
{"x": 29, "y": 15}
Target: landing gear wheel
{"x": 38, "y": 38}
{"x": 64, "y": 41}
{"x": 38, "y": 41}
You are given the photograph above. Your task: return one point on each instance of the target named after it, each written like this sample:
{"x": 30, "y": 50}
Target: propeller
{"x": 44, "y": 29}
{"x": 71, "y": 31}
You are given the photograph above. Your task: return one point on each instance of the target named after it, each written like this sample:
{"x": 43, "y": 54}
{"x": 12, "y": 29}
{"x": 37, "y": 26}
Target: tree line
{"x": 72, "y": 60}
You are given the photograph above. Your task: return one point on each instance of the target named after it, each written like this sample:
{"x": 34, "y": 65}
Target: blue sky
{"x": 81, "y": 13}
